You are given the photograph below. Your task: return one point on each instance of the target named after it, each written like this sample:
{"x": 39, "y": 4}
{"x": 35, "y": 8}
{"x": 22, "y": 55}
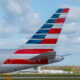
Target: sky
{"x": 20, "y": 19}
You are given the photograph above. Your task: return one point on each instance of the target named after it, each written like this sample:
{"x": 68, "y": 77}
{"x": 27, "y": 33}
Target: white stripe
{"x": 52, "y": 36}
{"x": 36, "y": 39}
{"x": 19, "y": 65}
{"x": 23, "y": 56}
{"x": 57, "y": 25}
{"x": 45, "y": 29}
{"x": 57, "y": 13}
{"x": 49, "y": 23}
{"x": 63, "y": 15}
{"x": 38, "y": 46}
{"x": 53, "y": 18}
{"x": 40, "y": 34}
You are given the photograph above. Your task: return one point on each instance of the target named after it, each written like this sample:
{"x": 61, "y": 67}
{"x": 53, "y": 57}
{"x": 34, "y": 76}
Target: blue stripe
{"x": 55, "y": 16}
{"x": 42, "y": 31}
{"x": 51, "y": 21}
{"x": 47, "y": 26}
{"x": 60, "y": 11}
{"x": 34, "y": 41}
{"x": 38, "y": 36}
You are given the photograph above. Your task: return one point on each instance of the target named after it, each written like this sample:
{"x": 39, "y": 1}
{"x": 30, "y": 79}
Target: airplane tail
{"x": 46, "y": 37}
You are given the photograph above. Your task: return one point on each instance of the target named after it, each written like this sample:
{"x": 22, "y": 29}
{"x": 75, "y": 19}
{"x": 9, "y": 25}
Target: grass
{"x": 41, "y": 75}
{"x": 48, "y": 79}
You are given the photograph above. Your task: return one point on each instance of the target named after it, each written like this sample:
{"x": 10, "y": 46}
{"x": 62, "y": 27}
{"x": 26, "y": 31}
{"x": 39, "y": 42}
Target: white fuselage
{"x": 10, "y": 62}
{"x": 9, "y": 67}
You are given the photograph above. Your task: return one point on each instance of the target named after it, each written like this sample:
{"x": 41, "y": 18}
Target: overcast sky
{"x": 20, "y": 19}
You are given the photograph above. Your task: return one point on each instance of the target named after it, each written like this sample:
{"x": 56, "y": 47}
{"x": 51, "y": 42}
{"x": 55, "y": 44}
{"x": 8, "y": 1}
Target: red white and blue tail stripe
{"x": 46, "y": 37}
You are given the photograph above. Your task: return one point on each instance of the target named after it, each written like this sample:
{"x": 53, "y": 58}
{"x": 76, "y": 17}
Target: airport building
{"x": 38, "y": 70}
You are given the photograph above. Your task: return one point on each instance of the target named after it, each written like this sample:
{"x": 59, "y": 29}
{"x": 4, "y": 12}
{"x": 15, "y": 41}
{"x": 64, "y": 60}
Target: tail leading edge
{"x": 46, "y": 37}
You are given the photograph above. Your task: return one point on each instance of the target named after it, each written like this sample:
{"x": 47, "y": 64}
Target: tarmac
{"x": 34, "y": 77}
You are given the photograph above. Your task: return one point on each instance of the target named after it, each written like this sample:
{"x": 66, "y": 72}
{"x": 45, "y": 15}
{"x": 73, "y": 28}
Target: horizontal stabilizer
{"x": 46, "y": 55}
{"x": 65, "y": 55}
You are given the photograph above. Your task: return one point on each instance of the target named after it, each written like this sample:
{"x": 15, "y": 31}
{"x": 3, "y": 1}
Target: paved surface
{"x": 35, "y": 77}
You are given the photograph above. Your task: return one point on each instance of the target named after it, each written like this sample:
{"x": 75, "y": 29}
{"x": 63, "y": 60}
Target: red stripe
{"x": 49, "y": 41}
{"x": 32, "y": 51}
{"x": 56, "y": 31}
{"x": 60, "y": 20}
{"x": 25, "y": 61}
{"x": 66, "y": 10}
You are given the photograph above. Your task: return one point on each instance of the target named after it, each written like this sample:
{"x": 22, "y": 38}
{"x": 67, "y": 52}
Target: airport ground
{"x": 40, "y": 77}
{"x": 46, "y": 79}
{"x": 43, "y": 76}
